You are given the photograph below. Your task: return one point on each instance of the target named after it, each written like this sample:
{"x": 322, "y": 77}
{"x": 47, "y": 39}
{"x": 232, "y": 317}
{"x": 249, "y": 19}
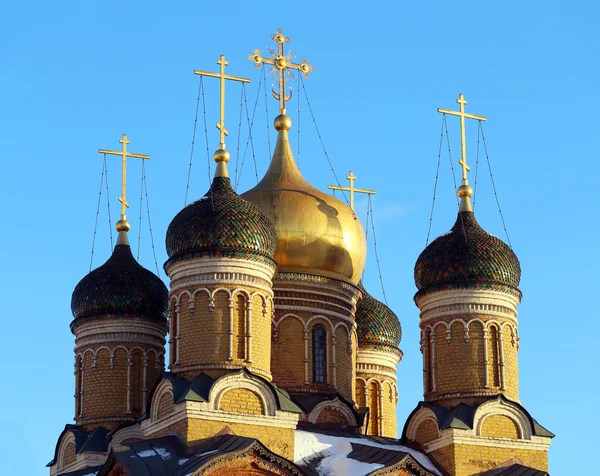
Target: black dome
{"x": 221, "y": 224}
{"x": 467, "y": 257}
{"x": 120, "y": 286}
{"x": 376, "y": 323}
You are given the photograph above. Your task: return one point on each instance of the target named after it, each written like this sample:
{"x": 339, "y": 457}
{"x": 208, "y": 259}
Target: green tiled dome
{"x": 221, "y": 224}
{"x": 376, "y": 323}
{"x": 121, "y": 286}
{"x": 467, "y": 257}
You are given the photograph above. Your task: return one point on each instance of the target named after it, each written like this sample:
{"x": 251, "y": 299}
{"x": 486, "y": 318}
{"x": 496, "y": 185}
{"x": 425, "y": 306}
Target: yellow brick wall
{"x": 278, "y": 440}
{"x": 467, "y": 460}
{"x": 241, "y": 400}
{"x": 204, "y": 333}
{"x": 69, "y": 454}
{"x": 105, "y": 388}
{"x": 360, "y": 392}
{"x": 165, "y": 406}
{"x": 459, "y": 365}
{"x": 427, "y": 431}
{"x": 288, "y": 354}
{"x": 499, "y": 426}
{"x": 374, "y": 408}
{"x": 390, "y": 426}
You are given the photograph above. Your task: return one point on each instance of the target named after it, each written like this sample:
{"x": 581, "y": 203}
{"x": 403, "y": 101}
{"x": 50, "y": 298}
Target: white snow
{"x": 162, "y": 452}
{"x": 336, "y": 449}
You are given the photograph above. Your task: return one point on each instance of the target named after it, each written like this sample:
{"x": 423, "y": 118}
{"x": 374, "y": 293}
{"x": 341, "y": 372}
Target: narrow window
{"x": 319, "y": 338}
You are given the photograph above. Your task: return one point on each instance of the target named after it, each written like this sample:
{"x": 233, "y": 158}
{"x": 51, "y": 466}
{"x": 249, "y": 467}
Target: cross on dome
{"x": 282, "y": 64}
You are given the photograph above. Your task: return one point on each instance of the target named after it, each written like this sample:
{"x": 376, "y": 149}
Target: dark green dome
{"x": 376, "y": 324}
{"x": 467, "y": 257}
{"x": 221, "y": 224}
{"x": 121, "y": 286}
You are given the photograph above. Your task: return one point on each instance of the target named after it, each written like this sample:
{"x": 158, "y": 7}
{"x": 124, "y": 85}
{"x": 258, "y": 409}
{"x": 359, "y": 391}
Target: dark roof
{"x": 84, "y": 472}
{"x": 221, "y": 224}
{"x": 307, "y": 402}
{"x": 514, "y": 470}
{"x": 376, "y": 323}
{"x": 198, "y": 390}
{"x": 169, "y": 456}
{"x": 467, "y": 257}
{"x": 461, "y": 416}
{"x": 95, "y": 440}
{"x": 119, "y": 287}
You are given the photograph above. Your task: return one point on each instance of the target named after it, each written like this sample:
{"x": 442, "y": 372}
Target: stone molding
{"x": 336, "y": 403}
{"x": 284, "y": 307}
{"x": 497, "y": 406}
{"x": 214, "y": 271}
{"x": 133, "y": 431}
{"x": 295, "y": 281}
{"x": 254, "y": 370}
{"x": 387, "y": 360}
{"x": 126, "y": 331}
{"x": 467, "y": 301}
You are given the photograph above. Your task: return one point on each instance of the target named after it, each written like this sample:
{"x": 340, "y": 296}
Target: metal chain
{"x": 108, "y": 203}
{"x": 494, "y": 185}
{"x": 437, "y": 174}
{"x": 187, "y": 187}
{"x": 145, "y": 182}
{"x": 141, "y": 209}
{"x": 97, "y": 212}
{"x": 476, "y": 166}
{"x": 376, "y": 254}
{"x": 322, "y": 144}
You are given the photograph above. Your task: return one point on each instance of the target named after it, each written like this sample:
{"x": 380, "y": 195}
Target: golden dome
{"x": 316, "y": 233}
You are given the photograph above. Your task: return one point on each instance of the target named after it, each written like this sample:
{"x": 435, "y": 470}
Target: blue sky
{"x": 77, "y": 75}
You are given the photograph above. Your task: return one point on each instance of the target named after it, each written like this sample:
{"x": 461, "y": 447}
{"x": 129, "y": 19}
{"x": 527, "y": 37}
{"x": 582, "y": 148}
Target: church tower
{"x": 120, "y": 324}
{"x": 321, "y": 252}
{"x": 468, "y": 295}
{"x": 379, "y": 335}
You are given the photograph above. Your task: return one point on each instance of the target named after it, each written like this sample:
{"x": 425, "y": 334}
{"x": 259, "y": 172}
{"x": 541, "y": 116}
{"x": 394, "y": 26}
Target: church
{"x": 279, "y": 361}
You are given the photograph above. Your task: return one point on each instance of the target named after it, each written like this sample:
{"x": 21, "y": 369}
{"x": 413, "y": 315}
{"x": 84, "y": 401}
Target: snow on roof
{"x": 334, "y": 450}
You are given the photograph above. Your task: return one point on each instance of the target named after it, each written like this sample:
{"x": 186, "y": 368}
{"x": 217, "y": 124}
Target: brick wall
{"x": 499, "y": 426}
{"x": 241, "y": 400}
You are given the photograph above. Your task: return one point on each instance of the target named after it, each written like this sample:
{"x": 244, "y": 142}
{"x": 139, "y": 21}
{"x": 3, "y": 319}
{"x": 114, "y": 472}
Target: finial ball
{"x": 283, "y": 122}
{"x": 222, "y": 155}
{"x": 465, "y": 191}
{"x": 123, "y": 225}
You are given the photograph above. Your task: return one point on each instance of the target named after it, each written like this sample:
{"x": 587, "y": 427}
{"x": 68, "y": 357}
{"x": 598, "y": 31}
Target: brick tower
{"x": 379, "y": 335}
{"x": 221, "y": 268}
{"x": 321, "y": 255}
{"x": 120, "y": 325}
{"x": 471, "y": 418}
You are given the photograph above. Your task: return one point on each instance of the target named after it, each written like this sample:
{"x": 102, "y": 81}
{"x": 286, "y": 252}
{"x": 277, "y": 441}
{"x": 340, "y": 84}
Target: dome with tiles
{"x": 120, "y": 287}
{"x": 467, "y": 257}
{"x": 376, "y": 324}
{"x": 221, "y": 223}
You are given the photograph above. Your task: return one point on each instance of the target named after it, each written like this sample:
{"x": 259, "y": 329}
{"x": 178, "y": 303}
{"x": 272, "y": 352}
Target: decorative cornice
{"x": 189, "y": 368}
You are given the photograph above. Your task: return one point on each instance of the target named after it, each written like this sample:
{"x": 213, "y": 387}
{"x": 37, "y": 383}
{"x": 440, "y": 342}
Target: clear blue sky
{"x": 77, "y": 75}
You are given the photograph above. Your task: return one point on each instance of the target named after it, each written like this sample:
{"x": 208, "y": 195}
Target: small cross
{"x": 351, "y": 178}
{"x": 282, "y": 64}
{"x": 124, "y": 154}
{"x": 463, "y": 139}
{"x": 222, "y": 76}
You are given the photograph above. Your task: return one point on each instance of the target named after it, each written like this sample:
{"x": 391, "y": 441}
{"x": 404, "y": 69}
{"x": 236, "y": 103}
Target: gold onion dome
{"x": 467, "y": 257}
{"x": 316, "y": 233}
{"x": 220, "y": 224}
{"x": 119, "y": 288}
{"x": 376, "y": 324}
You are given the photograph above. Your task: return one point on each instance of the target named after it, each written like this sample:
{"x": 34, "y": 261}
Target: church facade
{"x": 279, "y": 361}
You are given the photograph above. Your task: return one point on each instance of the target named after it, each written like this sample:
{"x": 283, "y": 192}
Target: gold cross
{"x": 351, "y": 189}
{"x": 281, "y": 63}
{"x": 463, "y": 140}
{"x": 124, "y": 154}
{"x": 222, "y": 76}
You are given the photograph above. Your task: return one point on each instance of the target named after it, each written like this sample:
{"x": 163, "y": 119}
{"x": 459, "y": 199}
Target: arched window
{"x": 319, "y": 354}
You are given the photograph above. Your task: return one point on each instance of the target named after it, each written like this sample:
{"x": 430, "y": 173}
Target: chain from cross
{"x": 463, "y": 139}
{"x": 124, "y": 154}
{"x": 282, "y": 64}
{"x": 351, "y": 178}
{"x": 223, "y": 77}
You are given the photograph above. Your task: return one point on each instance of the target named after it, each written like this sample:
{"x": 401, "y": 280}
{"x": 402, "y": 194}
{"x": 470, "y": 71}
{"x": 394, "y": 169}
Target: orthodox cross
{"x": 282, "y": 64}
{"x": 463, "y": 140}
{"x": 351, "y": 178}
{"x": 222, "y": 76}
{"x": 124, "y": 154}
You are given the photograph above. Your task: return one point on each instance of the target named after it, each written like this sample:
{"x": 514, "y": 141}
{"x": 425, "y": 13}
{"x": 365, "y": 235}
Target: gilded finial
{"x": 282, "y": 65}
{"x": 123, "y": 225}
{"x": 351, "y": 178}
{"x": 222, "y": 156}
{"x": 465, "y": 191}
